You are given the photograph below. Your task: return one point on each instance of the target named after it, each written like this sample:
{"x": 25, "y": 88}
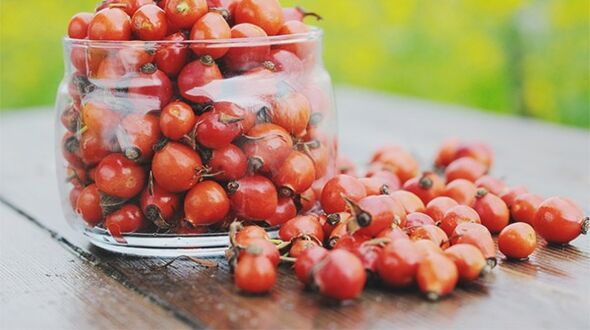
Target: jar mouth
{"x": 314, "y": 34}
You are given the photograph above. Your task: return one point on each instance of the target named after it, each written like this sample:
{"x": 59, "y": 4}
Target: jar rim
{"x": 314, "y": 33}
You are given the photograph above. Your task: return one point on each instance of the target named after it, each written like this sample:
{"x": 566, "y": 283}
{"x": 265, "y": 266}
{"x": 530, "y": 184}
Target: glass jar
{"x": 163, "y": 144}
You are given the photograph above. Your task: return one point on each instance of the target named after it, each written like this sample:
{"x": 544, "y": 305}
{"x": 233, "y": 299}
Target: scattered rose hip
{"x": 187, "y": 162}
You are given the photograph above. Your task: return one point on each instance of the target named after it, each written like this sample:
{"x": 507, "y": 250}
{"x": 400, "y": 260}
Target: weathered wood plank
{"x": 549, "y": 290}
{"x": 45, "y": 286}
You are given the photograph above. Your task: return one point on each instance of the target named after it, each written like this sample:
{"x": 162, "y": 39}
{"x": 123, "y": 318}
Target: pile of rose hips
{"x": 406, "y": 227}
{"x": 152, "y": 142}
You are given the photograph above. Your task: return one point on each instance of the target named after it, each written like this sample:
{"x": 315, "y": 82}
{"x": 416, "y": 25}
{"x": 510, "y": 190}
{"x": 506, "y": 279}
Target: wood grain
{"x": 45, "y": 286}
{"x": 551, "y": 289}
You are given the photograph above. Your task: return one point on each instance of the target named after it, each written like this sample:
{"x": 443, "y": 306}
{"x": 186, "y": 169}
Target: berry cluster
{"x": 186, "y": 115}
{"x": 430, "y": 229}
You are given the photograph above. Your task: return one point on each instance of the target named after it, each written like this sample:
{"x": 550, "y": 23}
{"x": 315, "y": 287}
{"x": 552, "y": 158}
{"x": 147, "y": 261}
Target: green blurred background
{"x": 524, "y": 57}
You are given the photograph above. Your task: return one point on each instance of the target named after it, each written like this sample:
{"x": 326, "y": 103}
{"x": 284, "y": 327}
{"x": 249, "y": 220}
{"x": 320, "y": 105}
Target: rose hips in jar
{"x": 159, "y": 206}
{"x": 78, "y": 26}
{"x": 267, "y": 147}
{"x": 517, "y": 240}
{"x": 267, "y": 14}
{"x": 242, "y": 59}
{"x": 149, "y": 23}
{"x": 295, "y": 175}
{"x": 128, "y": 219}
{"x": 177, "y": 167}
{"x": 253, "y": 197}
{"x": 177, "y": 119}
{"x": 559, "y": 220}
{"x": 183, "y": 14}
{"x": 195, "y": 77}
{"x": 119, "y": 177}
{"x": 206, "y": 203}
{"x": 292, "y": 112}
{"x": 137, "y": 136}
{"x": 303, "y": 50}
{"x": 171, "y": 58}
{"x": 212, "y": 25}
{"x": 88, "y": 205}
{"x": 110, "y": 24}
{"x": 150, "y": 90}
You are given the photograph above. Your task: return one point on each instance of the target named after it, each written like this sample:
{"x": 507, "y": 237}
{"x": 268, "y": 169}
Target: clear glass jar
{"x": 162, "y": 144}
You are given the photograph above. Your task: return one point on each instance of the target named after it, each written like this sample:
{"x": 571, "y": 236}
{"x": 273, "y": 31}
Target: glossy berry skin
{"x": 128, "y": 219}
{"x": 149, "y": 23}
{"x": 255, "y": 274}
{"x": 494, "y": 185}
{"x": 214, "y": 130}
{"x": 177, "y": 119}
{"x": 301, "y": 244}
{"x": 465, "y": 168}
{"x": 206, "y": 203}
{"x": 176, "y": 167}
{"x": 109, "y": 73}
{"x": 303, "y": 50}
{"x": 88, "y": 205}
{"x": 427, "y": 186}
{"x": 119, "y": 177}
{"x": 183, "y": 14}
{"x": 70, "y": 147}
{"x": 286, "y": 61}
{"x": 73, "y": 196}
{"x": 286, "y": 210}
{"x": 267, "y": 14}
{"x": 158, "y": 204}
{"x": 100, "y": 118}
{"x": 228, "y": 163}
{"x": 416, "y": 219}
{"x": 524, "y": 208}
{"x": 302, "y": 225}
{"x": 295, "y": 175}
{"x": 250, "y": 232}
{"x": 394, "y": 234}
{"x": 410, "y": 201}
{"x": 398, "y": 263}
{"x": 476, "y": 235}
{"x": 375, "y": 186}
{"x": 462, "y": 191}
{"x": 351, "y": 187}
{"x": 559, "y": 220}
{"x": 246, "y": 58}
{"x": 376, "y": 213}
{"x": 429, "y": 232}
{"x": 194, "y": 76}
{"x": 292, "y": 112}
{"x": 341, "y": 275}
{"x": 210, "y": 26}
{"x": 427, "y": 247}
{"x": 171, "y": 58}
{"x": 137, "y": 135}
{"x": 129, "y": 6}
{"x": 388, "y": 178}
{"x": 267, "y": 147}
{"x": 247, "y": 118}
{"x": 457, "y": 215}
{"x": 110, "y": 24}
{"x": 135, "y": 57}
{"x": 253, "y": 197}
{"x": 437, "y": 207}
{"x": 265, "y": 247}
{"x": 492, "y": 210}
{"x": 94, "y": 147}
{"x": 437, "y": 276}
{"x": 517, "y": 240}
{"x": 321, "y": 159}
{"x": 78, "y": 26}
{"x": 469, "y": 260}
{"x": 306, "y": 261}
{"x": 510, "y": 194}
{"x": 150, "y": 90}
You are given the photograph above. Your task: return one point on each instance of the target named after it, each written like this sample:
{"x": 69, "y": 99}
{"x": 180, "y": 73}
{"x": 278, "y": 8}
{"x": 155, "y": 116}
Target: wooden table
{"x": 51, "y": 278}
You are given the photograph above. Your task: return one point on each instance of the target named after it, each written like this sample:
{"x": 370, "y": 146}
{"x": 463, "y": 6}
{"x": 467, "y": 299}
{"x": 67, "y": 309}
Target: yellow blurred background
{"x": 524, "y": 57}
